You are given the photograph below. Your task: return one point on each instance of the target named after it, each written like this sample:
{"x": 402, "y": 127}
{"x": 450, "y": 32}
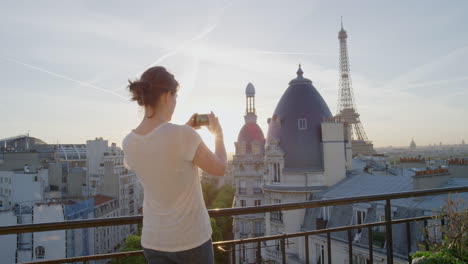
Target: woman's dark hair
{"x": 154, "y": 82}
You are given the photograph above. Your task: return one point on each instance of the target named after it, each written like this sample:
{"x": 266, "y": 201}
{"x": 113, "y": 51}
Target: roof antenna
{"x": 341, "y": 22}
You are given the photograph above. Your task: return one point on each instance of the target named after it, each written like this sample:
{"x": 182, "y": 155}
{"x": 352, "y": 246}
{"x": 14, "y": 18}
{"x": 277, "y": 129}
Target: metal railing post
{"x": 388, "y": 230}
{"x": 329, "y": 248}
{"x": 233, "y": 254}
{"x": 350, "y": 246}
{"x": 408, "y": 239}
{"x": 259, "y": 253}
{"x": 426, "y": 235}
{"x": 442, "y": 223}
{"x": 283, "y": 249}
{"x": 306, "y": 237}
{"x": 371, "y": 245}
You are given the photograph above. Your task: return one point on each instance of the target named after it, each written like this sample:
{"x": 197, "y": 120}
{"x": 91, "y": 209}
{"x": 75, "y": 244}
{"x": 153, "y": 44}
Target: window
{"x": 1, "y": 179}
{"x": 360, "y": 216}
{"x": 258, "y": 202}
{"x": 243, "y": 253}
{"x": 1, "y": 203}
{"x": 255, "y": 148}
{"x": 243, "y": 203}
{"x": 277, "y": 215}
{"x": 302, "y": 123}
{"x": 258, "y": 187}
{"x": 360, "y": 259}
{"x": 258, "y": 229}
{"x": 243, "y": 228}
{"x": 433, "y": 230}
{"x": 320, "y": 254}
{"x": 242, "y": 187}
{"x": 276, "y": 172}
{"x": 326, "y": 212}
{"x": 381, "y": 228}
{"x": 277, "y": 245}
{"x": 40, "y": 252}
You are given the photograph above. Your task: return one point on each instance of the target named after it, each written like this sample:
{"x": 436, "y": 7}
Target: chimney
{"x": 429, "y": 179}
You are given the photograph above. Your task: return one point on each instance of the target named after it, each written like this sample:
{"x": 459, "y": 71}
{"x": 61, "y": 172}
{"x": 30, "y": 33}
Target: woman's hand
{"x": 191, "y": 121}
{"x": 214, "y": 127}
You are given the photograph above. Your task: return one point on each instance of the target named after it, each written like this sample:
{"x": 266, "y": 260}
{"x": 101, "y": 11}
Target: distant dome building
{"x": 296, "y": 123}
{"x": 22, "y": 143}
{"x": 412, "y": 145}
{"x": 248, "y": 168}
{"x": 250, "y": 139}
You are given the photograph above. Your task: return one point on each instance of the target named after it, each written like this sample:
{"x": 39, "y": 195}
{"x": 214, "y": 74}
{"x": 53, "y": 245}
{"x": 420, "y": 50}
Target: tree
{"x": 209, "y": 193}
{"x": 132, "y": 243}
{"x": 224, "y": 199}
{"x": 453, "y": 248}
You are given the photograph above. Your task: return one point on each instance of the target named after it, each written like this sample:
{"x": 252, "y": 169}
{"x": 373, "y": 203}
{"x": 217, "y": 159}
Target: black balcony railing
{"x": 257, "y": 190}
{"x": 230, "y": 244}
{"x": 242, "y": 190}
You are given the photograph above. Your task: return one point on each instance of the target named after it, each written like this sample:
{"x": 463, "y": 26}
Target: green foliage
{"x": 217, "y": 233}
{"x": 454, "y": 246}
{"x": 441, "y": 257}
{"x": 132, "y": 243}
{"x": 222, "y": 226}
{"x": 209, "y": 193}
{"x": 224, "y": 197}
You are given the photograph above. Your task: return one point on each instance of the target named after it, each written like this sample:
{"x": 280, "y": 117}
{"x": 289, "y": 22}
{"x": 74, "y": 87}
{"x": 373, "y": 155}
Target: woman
{"x": 166, "y": 158}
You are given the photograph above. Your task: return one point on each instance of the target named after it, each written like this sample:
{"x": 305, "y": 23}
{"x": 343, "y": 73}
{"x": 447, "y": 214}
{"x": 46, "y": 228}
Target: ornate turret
{"x": 251, "y": 138}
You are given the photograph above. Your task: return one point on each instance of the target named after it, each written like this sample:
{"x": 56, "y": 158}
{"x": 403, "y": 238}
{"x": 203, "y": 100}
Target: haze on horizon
{"x": 64, "y": 65}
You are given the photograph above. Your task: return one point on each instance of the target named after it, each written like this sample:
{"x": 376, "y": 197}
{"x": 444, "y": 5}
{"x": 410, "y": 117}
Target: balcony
{"x": 227, "y": 246}
{"x": 257, "y": 190}
{"x": 242, "y": 190}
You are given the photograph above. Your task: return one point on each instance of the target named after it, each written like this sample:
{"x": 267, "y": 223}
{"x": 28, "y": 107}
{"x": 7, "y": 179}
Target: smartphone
{"x": 201, "y": 120}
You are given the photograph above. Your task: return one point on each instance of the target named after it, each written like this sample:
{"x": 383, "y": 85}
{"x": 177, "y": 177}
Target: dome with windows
{"x": 250, "y": 134}
{"x": 296, "y": 123}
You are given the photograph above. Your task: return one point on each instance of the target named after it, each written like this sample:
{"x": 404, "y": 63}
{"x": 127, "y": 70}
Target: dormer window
{"x": 302, "y": 124}
{"x": 326, "y": 212}
{"x": 40, "y": 252}
{"x": 359, "y": 217}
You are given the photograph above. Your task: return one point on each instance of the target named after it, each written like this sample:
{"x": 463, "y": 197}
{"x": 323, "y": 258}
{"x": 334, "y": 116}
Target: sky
{"x": 65, "y": 65}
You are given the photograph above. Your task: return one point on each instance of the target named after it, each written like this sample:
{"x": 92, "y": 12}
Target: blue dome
{"x": 302, "y": 147}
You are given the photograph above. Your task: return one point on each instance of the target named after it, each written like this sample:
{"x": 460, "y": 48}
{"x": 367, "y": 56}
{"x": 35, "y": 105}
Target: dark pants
{"x": 200, "y": 255}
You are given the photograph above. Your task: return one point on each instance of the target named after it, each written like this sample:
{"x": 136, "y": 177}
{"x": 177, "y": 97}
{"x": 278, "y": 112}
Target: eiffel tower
{"x": 347, "y": 110}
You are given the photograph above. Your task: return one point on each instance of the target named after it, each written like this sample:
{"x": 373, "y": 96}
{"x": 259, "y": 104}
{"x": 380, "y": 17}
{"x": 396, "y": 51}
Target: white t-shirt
{"x": 174, "y": 212}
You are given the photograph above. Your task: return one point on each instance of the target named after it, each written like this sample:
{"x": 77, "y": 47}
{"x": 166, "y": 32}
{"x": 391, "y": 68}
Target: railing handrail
{"x": 126, "y": 220}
